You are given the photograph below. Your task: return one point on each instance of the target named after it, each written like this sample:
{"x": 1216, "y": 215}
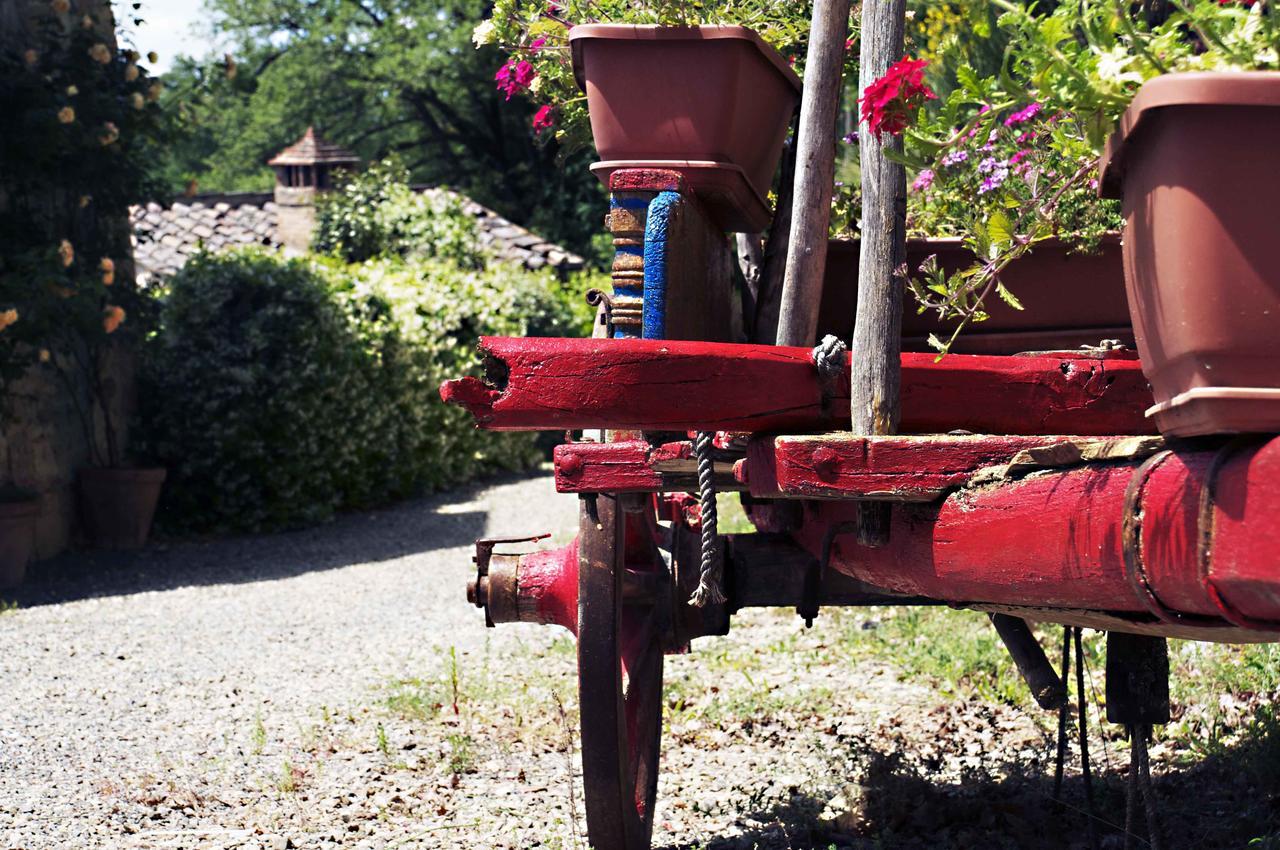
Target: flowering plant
{"x": 83, "y": 129}
{"x": 1010, "y": 159}
{"x": 890, "y": 102}
{"x": 535, "y": 36}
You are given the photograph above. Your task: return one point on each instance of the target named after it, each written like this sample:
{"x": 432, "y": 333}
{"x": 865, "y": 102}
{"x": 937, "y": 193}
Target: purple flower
{"x": 989, "y": 165}
{"x": 851, "y": 138}
{"x": 923, "y": 180}
{"x": 994, "y": 179}
{"x": 955, "y": 158}
{"x": 1026, "y": 113}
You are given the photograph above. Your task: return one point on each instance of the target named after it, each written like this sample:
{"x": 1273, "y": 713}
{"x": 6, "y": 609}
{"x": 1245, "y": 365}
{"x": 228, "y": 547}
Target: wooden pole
{"x": 815, "y": 174}
{"x": 877, "y": 332}
{"x": 769, "y": 299}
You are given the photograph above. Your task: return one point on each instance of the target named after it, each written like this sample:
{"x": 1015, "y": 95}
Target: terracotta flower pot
{"x": 712, "y": 102}
{"x": 118, "y": 505}
{"x": 1194, "y": 159}
{"x": 1069, "y": 299}
{"x": 17, "y": 540}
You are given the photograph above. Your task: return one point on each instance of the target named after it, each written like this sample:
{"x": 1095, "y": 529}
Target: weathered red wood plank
{"x": 1169, "y": 538}
{"x": 554, "y": 384}
{"x": 633, "y": 466}
{"x": 899, "y": 468}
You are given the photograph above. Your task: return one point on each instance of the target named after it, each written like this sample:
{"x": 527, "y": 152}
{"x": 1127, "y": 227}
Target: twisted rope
{"x": 709, "y": 578}
{"x": 828, "y": 357}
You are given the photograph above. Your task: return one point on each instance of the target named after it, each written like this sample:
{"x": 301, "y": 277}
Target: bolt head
{"x": 569, "y": 463}
{"x": 825, "y": 461}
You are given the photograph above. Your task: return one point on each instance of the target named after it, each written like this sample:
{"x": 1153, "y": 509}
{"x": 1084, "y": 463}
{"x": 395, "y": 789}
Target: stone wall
{"x": 43, "y": 443}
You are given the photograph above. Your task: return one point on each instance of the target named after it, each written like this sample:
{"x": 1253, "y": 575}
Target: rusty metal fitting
{"x": 496, "y": 585}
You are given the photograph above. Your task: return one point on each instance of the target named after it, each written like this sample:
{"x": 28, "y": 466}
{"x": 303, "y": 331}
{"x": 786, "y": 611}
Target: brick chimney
{"x": 303, "y": 170}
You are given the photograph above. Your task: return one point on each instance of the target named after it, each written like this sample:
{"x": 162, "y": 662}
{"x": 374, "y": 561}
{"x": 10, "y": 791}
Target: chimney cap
{"x": 313, "y": 150}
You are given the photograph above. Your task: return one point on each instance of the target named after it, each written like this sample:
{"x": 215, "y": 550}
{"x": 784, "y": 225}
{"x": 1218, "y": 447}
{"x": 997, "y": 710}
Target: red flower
{"x": 889, "y": 104}
{"x": 543, "y": 119}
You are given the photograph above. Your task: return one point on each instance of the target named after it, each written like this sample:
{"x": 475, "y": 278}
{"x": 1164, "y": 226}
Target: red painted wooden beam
{"x": 633, "y": 466}
{"x": 906, "y": 468}
{"x": 554, "y": 384}
{"x": 1186, "y": 539}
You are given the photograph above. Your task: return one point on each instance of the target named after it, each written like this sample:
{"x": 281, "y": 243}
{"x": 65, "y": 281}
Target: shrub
{"x": 376, "y": 214}
{"x": 281, "y": 391}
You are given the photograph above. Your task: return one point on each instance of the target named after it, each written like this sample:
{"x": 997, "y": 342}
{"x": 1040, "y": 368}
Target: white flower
{"x": 483, "y": 33}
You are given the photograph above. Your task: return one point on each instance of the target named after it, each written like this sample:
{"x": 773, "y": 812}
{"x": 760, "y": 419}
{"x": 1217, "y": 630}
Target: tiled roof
{"x": 164, "y": 237}
{"x": 313, "y": 150}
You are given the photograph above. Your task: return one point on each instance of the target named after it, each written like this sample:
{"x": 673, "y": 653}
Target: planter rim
{"x": 657, "y": 32}
{"x": 1110, "y": 238}
{"x": 1192, "y": 88}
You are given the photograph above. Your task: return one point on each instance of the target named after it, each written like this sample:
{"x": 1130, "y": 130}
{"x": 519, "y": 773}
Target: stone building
{"x": 165, "y": 236}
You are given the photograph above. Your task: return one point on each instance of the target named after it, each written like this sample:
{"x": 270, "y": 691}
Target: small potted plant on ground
{"x": 695, "y": 88}
{"x": 1193, "y": 91}
{"x": 18, "y": 512}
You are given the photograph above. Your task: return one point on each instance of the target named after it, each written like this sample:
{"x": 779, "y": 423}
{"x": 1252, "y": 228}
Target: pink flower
{"x": 923, "y": 180}
{"x": 538, "y": 43}
{"x": 514, "y": 77}
{"x": 543, "y": 119}
{"x": 1026, "y": 113}
{"x": 890, "y": 103}
{"x": 1019, "y": 156}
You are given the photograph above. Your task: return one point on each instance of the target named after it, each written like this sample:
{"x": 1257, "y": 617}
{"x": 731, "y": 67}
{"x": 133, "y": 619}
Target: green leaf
{"x": 999, "y": 228}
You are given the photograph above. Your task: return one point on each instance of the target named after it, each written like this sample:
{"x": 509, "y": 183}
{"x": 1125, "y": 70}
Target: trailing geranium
{"x": 535, "y": 36}
{"x": 890, "y": 104}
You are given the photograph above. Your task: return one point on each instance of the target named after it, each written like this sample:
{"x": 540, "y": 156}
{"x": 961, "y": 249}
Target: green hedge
{"x": 279, "y": 392}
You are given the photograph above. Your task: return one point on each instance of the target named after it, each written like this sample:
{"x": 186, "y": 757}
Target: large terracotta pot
{"x": 1195, "y": 161}
{"x": 118, "y": 505}
{"x": 712, "y": 102}
{"x": 17, "y": 540}
{"x": 1069, "y": 299}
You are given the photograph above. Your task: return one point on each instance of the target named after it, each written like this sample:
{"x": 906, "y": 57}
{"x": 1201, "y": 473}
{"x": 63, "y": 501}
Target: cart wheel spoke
{"x": 619, "y": 670}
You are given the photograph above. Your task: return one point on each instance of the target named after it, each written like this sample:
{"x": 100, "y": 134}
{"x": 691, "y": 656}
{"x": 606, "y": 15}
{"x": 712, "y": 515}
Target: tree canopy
{"x": 383, "y": 77}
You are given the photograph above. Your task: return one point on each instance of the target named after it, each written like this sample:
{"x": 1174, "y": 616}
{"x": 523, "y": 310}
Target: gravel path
{"x": 330, "y": 688}
{"x": 131, "y": 676}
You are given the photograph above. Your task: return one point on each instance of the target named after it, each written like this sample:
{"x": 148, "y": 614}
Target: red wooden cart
{"x": 1026, "y": 485}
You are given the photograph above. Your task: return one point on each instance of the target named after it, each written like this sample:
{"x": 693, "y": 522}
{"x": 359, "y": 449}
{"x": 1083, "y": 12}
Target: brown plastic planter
{"x": 118, "y": 505}
{"x": 712, "y": 102}
{"x": 1195, "y": 161}
{"x": 1069, "y": 299}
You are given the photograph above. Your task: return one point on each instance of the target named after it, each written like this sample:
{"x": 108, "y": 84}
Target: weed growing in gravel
{"x": 384, "y": 746}
{"x": 290, "y": 777}
{"x": 259, "y": 735}
{"x": 7, "y": 606}
{"x": 461, "y": 757}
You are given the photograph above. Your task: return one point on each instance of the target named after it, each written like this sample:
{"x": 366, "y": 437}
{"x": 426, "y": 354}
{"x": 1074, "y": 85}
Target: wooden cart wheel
{"x": 620, "y": 646}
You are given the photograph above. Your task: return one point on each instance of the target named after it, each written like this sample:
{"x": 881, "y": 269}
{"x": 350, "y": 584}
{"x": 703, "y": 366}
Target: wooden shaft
{"x": 877, "y": 340}
{"x": 877, "y": 334}
{"x": 815, "y": 174}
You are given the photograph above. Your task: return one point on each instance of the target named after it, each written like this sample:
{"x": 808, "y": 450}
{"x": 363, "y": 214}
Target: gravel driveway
{"x": 131, "y": 676}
